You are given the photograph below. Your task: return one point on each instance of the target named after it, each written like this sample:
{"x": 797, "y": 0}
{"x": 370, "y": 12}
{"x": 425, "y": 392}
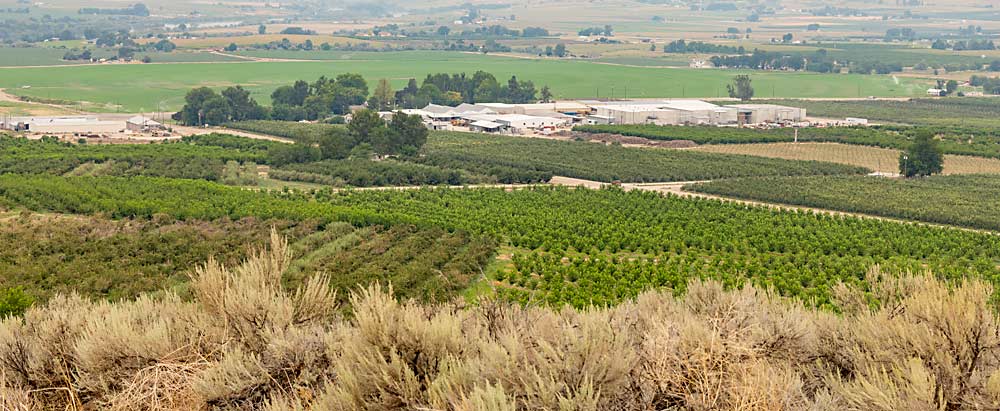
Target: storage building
{"x": 767, "y": 113}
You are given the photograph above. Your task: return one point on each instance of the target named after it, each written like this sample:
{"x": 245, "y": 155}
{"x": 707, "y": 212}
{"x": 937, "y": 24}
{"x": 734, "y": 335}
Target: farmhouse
{"x": 936, "y": 92}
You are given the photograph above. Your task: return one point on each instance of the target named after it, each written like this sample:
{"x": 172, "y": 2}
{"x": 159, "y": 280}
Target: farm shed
{"x": 767, "y": 113}
{"x": 522, "y": 122}
{"x": 485, "y": 126}
{"x": 139, "y": 124}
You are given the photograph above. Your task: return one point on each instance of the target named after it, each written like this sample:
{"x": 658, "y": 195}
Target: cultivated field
{"x": 968, "y": 200}
{"x": 137, "y": 87}
{"x": 874, "y": 158}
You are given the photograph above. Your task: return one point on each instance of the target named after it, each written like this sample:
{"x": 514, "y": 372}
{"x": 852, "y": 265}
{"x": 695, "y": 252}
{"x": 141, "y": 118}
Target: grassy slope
{"x": 167, "y": 83}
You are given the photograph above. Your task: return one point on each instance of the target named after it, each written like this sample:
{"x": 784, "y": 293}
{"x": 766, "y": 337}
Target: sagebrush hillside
{"x": 244, "y": 342}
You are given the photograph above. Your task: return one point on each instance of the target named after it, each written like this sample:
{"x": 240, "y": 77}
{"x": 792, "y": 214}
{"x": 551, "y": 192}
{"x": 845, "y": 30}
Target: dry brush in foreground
{"x": 246, "y": 343}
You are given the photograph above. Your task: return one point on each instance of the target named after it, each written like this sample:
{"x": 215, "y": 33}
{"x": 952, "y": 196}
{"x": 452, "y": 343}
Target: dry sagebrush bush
{"x": 244, "y": 342}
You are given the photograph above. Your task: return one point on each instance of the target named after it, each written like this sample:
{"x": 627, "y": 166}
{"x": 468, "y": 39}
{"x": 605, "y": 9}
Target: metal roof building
{"x": 666, "y": 112}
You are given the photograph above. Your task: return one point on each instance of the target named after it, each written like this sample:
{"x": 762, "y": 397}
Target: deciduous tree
{"x": 923, "y": 158}
{"x": 741, "y": 88}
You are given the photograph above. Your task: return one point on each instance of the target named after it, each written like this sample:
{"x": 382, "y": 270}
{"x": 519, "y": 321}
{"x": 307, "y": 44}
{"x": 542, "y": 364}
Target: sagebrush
{"x": 245, "y": 342}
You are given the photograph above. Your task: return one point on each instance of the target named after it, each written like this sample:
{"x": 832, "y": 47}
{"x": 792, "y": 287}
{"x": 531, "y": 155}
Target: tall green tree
{"x": 922, "y": 158}
{"x": 546, "y": 94}
{"x": 294, "y": 95}
{"x": 216, "y": 111}
{"x": 951, "y": 86}
{"x": 560, "y": 50}
{"x": 193, "y": 112}
{"x": 741, "y": 88}
{"x": 363, "y": 123}
{"x": 243, "y": 107}
{"x": 408, "y": 133}
{"x": 383, "y": 97}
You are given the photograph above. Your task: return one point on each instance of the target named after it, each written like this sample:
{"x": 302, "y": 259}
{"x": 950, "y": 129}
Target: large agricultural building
{"x": 767, "y": 113}
{"x": 61, "y": 124}
{"x": 667, "y": 112}
{"x": 492, "y": 118}
{"x": 691, "y": 112}
{"x": 522, "y": 118}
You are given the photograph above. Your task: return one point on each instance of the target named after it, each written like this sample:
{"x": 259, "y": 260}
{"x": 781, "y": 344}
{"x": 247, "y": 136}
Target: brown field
{"x": 212, "y": 42}
{"x": 17, "y": 109}
{"x": 878, "y": 159}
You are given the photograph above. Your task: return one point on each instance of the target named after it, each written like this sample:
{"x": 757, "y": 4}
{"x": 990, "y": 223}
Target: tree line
{"x": 961, "y": 45}
{"x": 819, "y": 61}
{"x": 681, "y": 46}
{"x": 454, "y": 89}
{"x": 326, "y": 98}
{"x": 990, "y": 85}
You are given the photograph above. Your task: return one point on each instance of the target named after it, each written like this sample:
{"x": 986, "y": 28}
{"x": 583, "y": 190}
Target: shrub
{"x": 13, "y": 301}
{"x": 245, "y": 342}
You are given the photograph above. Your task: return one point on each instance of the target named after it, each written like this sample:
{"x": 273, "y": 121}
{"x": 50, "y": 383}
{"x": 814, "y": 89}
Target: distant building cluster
{"x": 541, "y": 117}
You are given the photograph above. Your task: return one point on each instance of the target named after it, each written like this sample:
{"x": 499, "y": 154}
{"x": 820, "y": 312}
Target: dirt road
{"x": 197, "y": 131}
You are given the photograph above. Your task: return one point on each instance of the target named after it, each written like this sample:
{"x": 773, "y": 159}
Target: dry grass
{"x": 907, "y": 342}
{"x": 879, "y": 159}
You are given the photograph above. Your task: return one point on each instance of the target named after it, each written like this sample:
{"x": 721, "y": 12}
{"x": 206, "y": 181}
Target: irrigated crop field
{"x": 136, "y": 86}
{"x": 879, "y": 159}
{"x": 968, "y": 201}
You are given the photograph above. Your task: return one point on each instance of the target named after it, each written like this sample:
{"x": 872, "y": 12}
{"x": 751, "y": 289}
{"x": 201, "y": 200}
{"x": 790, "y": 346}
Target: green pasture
{"x": 145, "y": 87}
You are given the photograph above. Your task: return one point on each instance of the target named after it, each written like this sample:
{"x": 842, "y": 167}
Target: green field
{"x": 617, "y": 243}
{"x": 138, "y": 87}
{"x": 968, "y": 200}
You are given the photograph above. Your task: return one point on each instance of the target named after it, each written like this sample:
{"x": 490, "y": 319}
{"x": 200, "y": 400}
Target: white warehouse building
{"x": 518, "y": 122}
{"x": 667, "y": 112}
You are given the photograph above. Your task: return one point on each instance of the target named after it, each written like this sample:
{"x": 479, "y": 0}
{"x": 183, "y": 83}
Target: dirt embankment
{"x": 608, "y": 138}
